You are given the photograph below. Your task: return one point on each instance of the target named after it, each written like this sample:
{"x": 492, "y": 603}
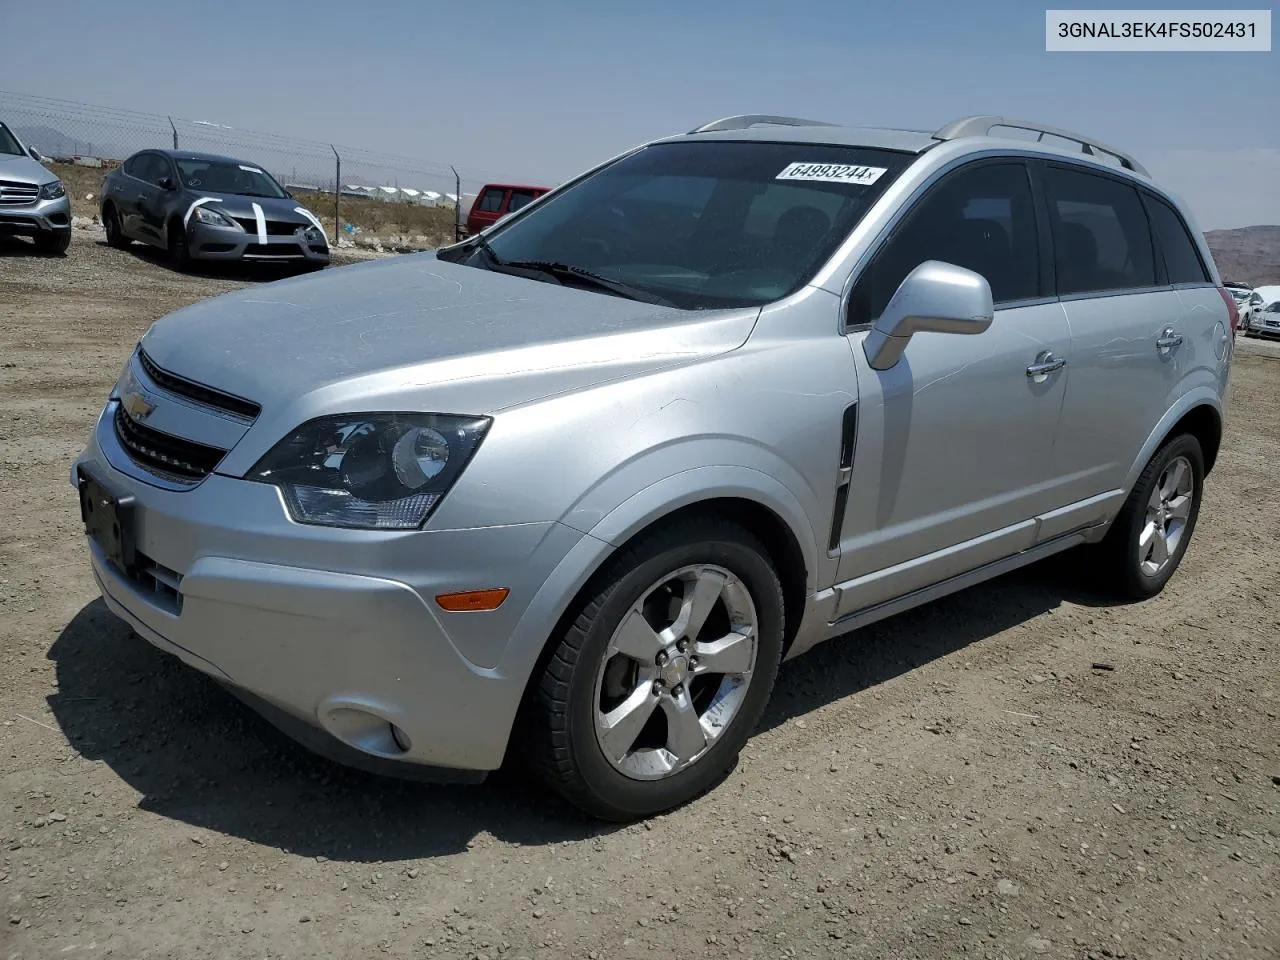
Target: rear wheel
{"x": 176, "y": 241}
{"x": 54, "y": 242}
{"x": 111, "y": 224}
{"x": 654, "y": 689}
{"x": 1148, "y": 539}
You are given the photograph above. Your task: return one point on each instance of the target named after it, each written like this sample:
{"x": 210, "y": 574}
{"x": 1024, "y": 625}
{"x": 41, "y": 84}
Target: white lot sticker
{"x": 199, "y": 203}
{"x": 261, "y": 222}
{"x": 250, "y": 169}
{"x": 310, "y": 216}
{"x": 832, "y": 173}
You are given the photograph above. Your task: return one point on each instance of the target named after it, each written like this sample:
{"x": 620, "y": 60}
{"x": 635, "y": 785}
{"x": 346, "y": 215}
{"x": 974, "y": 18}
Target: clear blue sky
{"x": 539, "y": 91}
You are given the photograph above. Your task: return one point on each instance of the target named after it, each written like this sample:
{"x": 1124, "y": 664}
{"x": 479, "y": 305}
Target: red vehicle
{"x": 496, "y": 200}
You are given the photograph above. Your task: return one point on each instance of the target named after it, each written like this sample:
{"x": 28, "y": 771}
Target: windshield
{"x": 1239, "y": 294}
{"x": 9, "y": 143}
{"x": 220, "y": 176}
{"x": 703, "y": 224}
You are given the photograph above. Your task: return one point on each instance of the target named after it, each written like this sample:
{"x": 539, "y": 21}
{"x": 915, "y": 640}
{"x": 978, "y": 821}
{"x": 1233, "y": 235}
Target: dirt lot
{"x": 957, "y": 782}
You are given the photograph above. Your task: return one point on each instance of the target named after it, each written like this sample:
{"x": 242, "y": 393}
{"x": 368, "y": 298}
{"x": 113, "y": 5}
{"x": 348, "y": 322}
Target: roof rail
{"x": 981, "y": 126}
{"x": 746, "y": 120}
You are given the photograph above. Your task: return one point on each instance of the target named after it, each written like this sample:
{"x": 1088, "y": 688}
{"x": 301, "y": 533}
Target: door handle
{"x": 1168, "y": 339}
{"x": 1046, "y": 363}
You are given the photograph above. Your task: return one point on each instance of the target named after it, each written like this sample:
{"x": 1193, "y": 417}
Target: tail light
{"x": 1233, "y": 311}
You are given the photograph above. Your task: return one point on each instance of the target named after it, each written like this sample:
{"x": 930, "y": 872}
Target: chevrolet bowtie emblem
{"x": 134, "y": 401}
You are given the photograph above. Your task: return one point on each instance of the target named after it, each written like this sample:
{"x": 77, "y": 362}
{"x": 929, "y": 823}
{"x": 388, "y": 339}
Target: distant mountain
{"x": 1250, "y": 254}
{"x": 55, "y": 143}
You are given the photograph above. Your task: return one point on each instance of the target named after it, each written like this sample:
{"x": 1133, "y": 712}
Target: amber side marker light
{"x": 472, "y": 600}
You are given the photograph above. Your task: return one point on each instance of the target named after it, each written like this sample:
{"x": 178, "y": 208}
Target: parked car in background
{"x": 569, "y": 491}
{"x": 496, "y": 200}
{"x": 200, "y": 206}
{"x": 1266, "y": 322}
{"x": 1245, "y": 299}
{"x": 1262, "y": 298}
{"x": 33, "y": 201}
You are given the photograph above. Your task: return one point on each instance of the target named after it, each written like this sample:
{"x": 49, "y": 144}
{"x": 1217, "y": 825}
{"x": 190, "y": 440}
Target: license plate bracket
{"x": 108, "y": 517}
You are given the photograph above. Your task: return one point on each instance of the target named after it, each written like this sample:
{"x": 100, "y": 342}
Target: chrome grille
{"x": 13, "y": 193}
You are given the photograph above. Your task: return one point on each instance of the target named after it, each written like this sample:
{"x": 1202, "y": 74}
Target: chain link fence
{"x": 68, "y": 131}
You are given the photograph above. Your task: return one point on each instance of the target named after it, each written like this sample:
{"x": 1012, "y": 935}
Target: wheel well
{"x": 773, "y": 533}
{"x": 1203, "y": 423}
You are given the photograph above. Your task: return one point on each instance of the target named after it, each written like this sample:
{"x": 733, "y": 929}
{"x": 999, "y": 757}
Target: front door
{"x": 953, "y": 459}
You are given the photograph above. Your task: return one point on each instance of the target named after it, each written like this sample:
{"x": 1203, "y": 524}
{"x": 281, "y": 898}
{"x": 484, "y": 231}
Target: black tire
{"x": 176, "y": 243}
{"x": 560, "y": 736}
{"x": 53, "y": 243}
{"x": 1121, "y": 567}
{"x": 111, "y": 224}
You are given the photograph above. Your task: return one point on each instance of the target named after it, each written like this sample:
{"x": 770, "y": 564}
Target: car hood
{"x": 235, "y": 205}
{"x": 14, "y": 167}
{"x": 423, "y": 333}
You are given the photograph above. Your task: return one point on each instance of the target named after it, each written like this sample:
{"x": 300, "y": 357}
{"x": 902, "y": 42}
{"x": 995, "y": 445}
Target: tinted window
{"x": 220, "y": 176}
{"x": 1181, "y": 259}
{"x": 981, "y": 218}
{"x": 706, "y": 223}
{"x": 491, "y": 200}
{"x": 9, "y": 143}
{"x": 150, "y": 167}
{"x": 520, "y": 198}
{"x": 1100, "y": 234}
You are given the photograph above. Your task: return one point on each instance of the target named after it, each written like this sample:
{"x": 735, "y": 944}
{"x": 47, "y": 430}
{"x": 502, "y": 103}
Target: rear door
{"x": 1129, "y": 332}
{"x": 129, "y": 192}
{"x": 953, "y": 459}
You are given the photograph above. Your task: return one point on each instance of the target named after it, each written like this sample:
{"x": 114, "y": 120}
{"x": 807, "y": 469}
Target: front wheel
{"x": 1149, "y": 537}
{"x": 655, "y": 687}
{"x": 53, "y": 243}
{"x": 176, "y": 242}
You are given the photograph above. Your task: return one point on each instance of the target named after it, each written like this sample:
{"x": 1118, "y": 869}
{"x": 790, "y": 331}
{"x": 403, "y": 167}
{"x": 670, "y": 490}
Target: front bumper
{"x": 208, "y": 242}
{"x": 35, "y": 219}
{"x": 337, "y": 631}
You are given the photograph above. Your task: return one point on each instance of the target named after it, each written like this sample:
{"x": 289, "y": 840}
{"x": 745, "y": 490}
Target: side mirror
{"x": 165, "y": 183}
{"x": 935, "y": 296}
{"x": 34, "y": 154}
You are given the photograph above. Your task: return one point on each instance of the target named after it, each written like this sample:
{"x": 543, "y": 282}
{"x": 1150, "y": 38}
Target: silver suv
{"x": 33, "y": 201}
{"x": 569, "y": 491}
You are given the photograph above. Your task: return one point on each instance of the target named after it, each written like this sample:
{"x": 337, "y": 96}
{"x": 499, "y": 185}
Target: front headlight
{"x": 375, "y": 471}
{"x": 213, "y": 217}
{"x": 53, "y": 190}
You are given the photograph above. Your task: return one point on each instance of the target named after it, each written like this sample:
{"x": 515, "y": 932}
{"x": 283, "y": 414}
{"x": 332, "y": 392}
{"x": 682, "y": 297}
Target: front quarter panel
{"x": 760, "y": 423}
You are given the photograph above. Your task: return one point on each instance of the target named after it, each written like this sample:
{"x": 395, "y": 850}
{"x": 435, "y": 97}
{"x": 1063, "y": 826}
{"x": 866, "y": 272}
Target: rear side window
{"x": 981, "y": 218}
{"x": 1181, "y": 258}
{"x": 1100, "y": 234}
{"x": 491, "y": 200}
{"x": 520, "y": 198}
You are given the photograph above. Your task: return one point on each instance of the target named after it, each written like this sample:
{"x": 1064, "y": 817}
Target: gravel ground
{"x": 961, "y": 781}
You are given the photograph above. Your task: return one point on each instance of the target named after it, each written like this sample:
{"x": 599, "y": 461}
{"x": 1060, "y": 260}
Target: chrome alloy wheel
{"x": 1168, "y": 510}
{"x": 675, "y": 672}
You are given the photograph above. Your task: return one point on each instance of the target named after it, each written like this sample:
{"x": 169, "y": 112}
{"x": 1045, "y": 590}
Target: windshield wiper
{"x": 565, "y": 271}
